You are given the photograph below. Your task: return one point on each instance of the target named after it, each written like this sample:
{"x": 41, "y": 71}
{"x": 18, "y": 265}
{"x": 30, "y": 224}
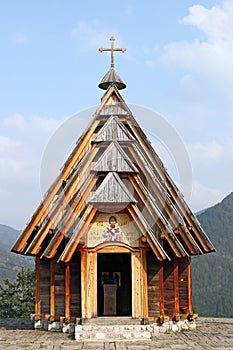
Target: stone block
{"x": 55, "y": 326}
{"x": 100, "y": 336}
{"x": 68, "y": 328}
{"x": 38, "y": 324}
{"x": 192, "y": 325}
{"x": 146, "y": 334}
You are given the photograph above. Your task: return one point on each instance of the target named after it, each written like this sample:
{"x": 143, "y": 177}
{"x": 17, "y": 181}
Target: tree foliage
{"x": 17, "y": 298}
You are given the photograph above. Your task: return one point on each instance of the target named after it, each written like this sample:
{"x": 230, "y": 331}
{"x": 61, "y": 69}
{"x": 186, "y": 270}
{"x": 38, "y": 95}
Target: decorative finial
{"x": 112, "y": 49}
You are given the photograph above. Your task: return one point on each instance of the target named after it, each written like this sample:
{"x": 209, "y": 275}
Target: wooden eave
{"x": 41, "y": 211}
{"x": 148, "y": 153}
{"x": 65, "y": 196}
{"x": 63, "y": 220}
{"x": 146, "y": 231}
{"x": 82, "y": 146}
{"x": 79, "y": 232}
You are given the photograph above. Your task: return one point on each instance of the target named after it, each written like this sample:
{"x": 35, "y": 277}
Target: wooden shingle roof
{"x": 111, "y": 152}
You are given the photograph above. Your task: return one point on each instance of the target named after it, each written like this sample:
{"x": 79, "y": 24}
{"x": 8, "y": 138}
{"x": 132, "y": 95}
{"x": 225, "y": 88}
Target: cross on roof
{"x": 112, "y": 49}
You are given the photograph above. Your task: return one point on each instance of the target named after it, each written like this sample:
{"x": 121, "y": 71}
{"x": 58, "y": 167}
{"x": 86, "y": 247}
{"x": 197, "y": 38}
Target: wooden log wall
{"x": 153, "y": 285}
{"x": 185, "y": 286}
{"x": 75, "y": 286}
{"x": 44, "y": 286}
{"x": 58, "y": 287}
{"x": 169, "y": 295}
{"x": 169, "y": 287}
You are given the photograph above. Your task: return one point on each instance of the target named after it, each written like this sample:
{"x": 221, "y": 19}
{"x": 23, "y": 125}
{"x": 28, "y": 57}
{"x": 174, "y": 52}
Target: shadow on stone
{"x": 16, "y": 323}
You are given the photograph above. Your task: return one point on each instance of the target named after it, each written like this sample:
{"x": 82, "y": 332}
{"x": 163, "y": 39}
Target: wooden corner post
{"x": 37, "y": 286}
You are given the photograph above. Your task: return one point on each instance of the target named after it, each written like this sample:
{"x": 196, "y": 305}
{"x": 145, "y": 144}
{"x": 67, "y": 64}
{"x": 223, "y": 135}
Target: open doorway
{"x": 115, "y": 268}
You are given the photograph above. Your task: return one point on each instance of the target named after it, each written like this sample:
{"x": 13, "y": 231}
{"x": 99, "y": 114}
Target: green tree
{"x": 17, "y": 298}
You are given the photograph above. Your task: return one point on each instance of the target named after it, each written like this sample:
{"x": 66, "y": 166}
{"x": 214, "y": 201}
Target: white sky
{"x": 179, "y": 62}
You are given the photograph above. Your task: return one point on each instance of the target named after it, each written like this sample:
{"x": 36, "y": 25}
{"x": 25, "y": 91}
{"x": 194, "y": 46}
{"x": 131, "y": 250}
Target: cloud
{"x": 216, "y": 22}
{"x": 31, "y": 125}
{"x": 209, "y": 55}
{"x": 209, "y": 152}
{"x": 212, "y": 152}
{"x": 204, "y": 196}
{"x": 22, "y": 143}
{"x": 90, "y": 35}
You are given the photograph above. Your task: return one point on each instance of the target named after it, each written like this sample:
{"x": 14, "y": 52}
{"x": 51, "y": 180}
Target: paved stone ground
{"x": 211, "y": 333}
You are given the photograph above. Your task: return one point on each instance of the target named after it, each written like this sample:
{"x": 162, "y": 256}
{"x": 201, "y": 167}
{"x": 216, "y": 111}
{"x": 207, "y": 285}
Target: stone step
{"x": 113, "y": 332}
{"x": 108, "y": 321}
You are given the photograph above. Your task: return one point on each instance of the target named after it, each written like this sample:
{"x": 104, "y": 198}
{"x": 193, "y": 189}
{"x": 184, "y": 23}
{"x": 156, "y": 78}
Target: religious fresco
{"x": 113, "y": 228}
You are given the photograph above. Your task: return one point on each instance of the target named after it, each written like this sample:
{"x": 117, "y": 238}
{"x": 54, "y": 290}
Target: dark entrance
{"x": 115, "y": 269}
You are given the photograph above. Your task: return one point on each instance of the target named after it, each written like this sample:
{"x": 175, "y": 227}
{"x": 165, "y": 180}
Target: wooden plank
{"x": 67, "y": 290}
{"x": 113, "y": 130}
{"x": 53, "y": 251}
{"x": 52, "y": 287}
{"x": 75, "y": 286}
{"x": 183, "y": 285}
{"x": 153, "y": 285}
{"x": 35, "y": 246}
{"x": 190, "y": 299}
{"x": 137, "y": 283}
{"x": 90, "y": 293}
{"x": 134, "y": 212}
{"x": 114, "y": 159}
{"x": 37, "y": 286}
{"x": 44, "y": 286}
{"x": 83, "y": 284}
{"x": 112, "y": 190}
{"x": 116, "y": 247}
{"x": 161, "y": 287}
{"x": 59, "y": 289}
{"x": 176, "y": 287}
{"x": 89, "y": 284}
{"x": 144, "y": 284}
{"x": 74, "y": 243}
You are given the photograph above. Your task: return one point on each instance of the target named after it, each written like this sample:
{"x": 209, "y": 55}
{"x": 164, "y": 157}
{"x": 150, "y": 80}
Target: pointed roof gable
{"x": 112, "y": 190}
{"x": 112, "y": 99}
{"x": 113, "y": 130}
{"x": 114, "y": 159}
{"x": 156, "y": 198}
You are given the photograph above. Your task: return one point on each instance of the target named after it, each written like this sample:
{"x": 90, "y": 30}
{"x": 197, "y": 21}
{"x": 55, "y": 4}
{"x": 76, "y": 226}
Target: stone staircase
{"x": 113, "y": 329}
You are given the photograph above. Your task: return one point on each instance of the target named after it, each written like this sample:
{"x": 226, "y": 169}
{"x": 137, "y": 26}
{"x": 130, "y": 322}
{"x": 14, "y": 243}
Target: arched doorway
{"x": 114, "y": 269}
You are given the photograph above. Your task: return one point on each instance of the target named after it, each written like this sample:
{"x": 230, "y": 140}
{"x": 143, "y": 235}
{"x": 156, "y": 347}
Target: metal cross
{"x": 112, "y": 49}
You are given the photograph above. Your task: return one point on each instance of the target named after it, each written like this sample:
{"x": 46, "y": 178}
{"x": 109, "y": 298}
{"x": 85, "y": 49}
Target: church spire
{"x": 111, "y": 77}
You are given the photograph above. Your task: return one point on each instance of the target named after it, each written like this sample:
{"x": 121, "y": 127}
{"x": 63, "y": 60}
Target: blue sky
{"x": 178, "y": 63}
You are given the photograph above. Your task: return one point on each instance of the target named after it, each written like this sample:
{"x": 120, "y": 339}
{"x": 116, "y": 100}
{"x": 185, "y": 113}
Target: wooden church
{"x": 113, "y": 235}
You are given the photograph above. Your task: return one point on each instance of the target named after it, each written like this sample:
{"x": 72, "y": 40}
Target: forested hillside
{"x": 10, "y": 263}
{"x": 213, "y": 273}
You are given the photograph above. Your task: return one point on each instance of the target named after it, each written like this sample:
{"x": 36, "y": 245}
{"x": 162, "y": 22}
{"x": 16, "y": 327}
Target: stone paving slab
{"x": 211, "y": 334}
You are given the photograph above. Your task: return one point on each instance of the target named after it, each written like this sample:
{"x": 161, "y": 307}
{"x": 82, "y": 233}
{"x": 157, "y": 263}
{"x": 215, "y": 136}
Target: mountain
{"x": 10, "y": 263}
{"x": 213, "y": 273}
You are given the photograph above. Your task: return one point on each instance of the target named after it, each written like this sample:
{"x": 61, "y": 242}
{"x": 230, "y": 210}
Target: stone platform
{"x": 210, "y": 334}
